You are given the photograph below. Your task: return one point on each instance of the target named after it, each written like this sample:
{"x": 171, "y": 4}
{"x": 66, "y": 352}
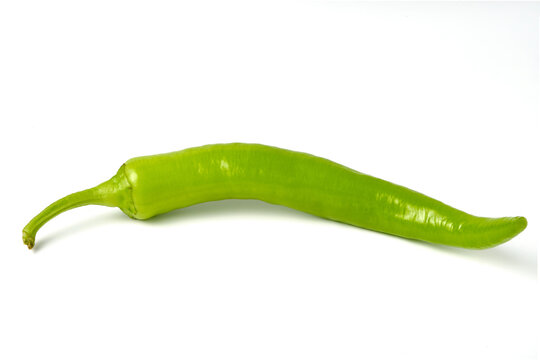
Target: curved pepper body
{"x": 152, "y": 185}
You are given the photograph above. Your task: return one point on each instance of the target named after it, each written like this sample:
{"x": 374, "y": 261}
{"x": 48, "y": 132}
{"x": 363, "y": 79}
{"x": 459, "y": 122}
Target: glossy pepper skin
{"x": 151, "y": 185}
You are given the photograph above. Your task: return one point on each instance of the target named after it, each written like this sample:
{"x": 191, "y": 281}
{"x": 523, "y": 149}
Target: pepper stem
{"x": 103, "y": 194}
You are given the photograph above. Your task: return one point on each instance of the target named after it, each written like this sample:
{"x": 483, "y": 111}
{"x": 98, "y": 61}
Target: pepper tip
{"x": 521, "y": 223}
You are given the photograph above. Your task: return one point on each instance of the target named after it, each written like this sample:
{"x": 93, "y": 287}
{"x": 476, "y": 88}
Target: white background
{"x": 439, "y": 97}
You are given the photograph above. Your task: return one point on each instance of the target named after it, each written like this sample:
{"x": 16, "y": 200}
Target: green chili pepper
{"x": 150, "y": 185}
